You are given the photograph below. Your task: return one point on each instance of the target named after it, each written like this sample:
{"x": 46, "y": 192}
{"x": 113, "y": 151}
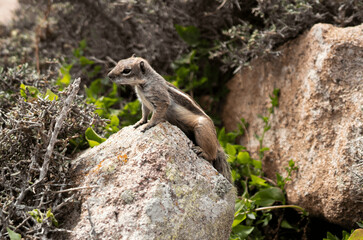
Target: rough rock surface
{"x": 319, "y": 123}
{"x": 151, "y": 186}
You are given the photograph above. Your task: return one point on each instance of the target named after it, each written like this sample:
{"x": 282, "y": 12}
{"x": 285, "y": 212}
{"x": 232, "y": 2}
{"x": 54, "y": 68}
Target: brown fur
{"x": 168, "y": 103}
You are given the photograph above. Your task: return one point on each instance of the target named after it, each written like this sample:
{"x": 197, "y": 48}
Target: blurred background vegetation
{"x": 196, "y": 44}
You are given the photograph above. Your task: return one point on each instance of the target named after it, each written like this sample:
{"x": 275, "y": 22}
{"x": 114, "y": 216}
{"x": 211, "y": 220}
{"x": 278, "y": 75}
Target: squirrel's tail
{"x": 222, "y": 165}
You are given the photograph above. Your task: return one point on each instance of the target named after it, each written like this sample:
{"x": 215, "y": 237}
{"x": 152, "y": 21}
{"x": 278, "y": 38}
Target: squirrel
{"x": 168, "y": 103}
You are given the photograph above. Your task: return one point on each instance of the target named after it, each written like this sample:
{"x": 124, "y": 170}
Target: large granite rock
{"x": 151, "y": 186}
{"x": 319, "y": 123}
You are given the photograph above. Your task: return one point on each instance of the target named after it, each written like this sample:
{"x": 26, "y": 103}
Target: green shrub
{"x": 260, "y": 27}
{"x": 258, "y": 195}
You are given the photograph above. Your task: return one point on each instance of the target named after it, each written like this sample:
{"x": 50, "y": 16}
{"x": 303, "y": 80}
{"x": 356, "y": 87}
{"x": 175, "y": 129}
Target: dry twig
{"x": 73, "y": 89}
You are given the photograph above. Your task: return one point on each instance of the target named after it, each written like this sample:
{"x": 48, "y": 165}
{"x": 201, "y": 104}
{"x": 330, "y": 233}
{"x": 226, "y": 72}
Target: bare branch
{"x": 74, "y": 189}
{"x": 73, "y": 90}
{"x": 59, "y": 122}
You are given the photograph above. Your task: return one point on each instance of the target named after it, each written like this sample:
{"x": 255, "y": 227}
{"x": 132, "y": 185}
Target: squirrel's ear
{"x": 142, "y": 67}
{"x": 133, "y": 55}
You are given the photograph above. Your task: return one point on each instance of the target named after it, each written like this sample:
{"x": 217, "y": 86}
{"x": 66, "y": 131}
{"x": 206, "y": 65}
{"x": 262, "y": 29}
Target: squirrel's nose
{"x": 111, "y": 75}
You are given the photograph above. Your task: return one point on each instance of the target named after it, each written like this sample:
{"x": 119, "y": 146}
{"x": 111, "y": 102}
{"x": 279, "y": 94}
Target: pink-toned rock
{"x": 151, "y": 186}
{"x": 319, "y": 123}
{"x": 7, "y": 8}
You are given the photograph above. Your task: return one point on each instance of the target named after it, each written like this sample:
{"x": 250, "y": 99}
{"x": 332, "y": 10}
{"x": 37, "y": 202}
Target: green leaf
{"x": 346, "y": 235}
{"x": 182, "y": 73}
{"x": 37, "y": 215}
{"x": 49, "y": 213}
{"x": 51, "y": 216}
{"x": 51, "y": 96}
{"x": 93, "y": 138}
{"x": 268, "y": 127}
{"x": 222, "y": 134}
{"x": 95, "y": 71}
{"x": 264, "y": 119}
{"x": 258, "y": 181}
{"x": 230, "y": 149}
{"x": 200, "y": 82}
{"x": 330, "y": 236}
{"x": 291, "y": 163}
{"x": 65, "y": 78}
{"x": 287, "y": 225}
{"x": 238, "y": 219}
{"x": 83, "y": 44}
{"x": 274, "y": 102}
{"x": 112, "y": 126}
{"x": 131, "y": 108}
{"x": 190, "y": 34}
{"x": 280, "y": 180}
{"x": 92, "y": 143}
{"x": 113, "y": 93}
{"x": 251, "y": 216}
{"x": 243, "y": 158}
{"x": 231, "y": 136}
{"x": 94, "y": 89}
{"x": 274, "y": 99}
{"x": 257, "y": 164}
{"x": 85, "y": 61}
{"x": 264, "y": 149}
{"x": 106, "y": 101}
{"x": 276, "y": 92}
{"x": 238, "y": 206}
{"x": 22, "y": 90}
{"x": 33, "y": 91}
{"x": 235, "y": 175}
{"x": 242, "y": 231}
{"x": 186, "y": 59}
{"x": 265, "y": 219}
{"x": 231, "y": 159}
{"x": 267, "y": 197}
{"x": 360, "y": 224}
{"x": 114, "y": 120}
{"x": 13, "y": 235}
{"x": 78, "y": 52}
{"x": 241, "y": 129}
{"x": 131, "y": 113}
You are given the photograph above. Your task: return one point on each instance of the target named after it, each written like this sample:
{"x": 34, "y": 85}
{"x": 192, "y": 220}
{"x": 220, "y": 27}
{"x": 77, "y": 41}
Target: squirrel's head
{"x": 130, "y": 71}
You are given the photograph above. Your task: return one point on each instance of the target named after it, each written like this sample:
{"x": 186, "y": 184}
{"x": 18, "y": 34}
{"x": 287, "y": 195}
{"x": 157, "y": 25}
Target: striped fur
{"x": 168, "y": 103}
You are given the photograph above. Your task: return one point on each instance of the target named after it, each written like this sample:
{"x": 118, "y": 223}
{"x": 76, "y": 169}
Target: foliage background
{"x": 196, "y": 44}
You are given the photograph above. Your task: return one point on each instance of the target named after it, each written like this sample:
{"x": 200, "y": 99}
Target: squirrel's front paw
{"x": 199, "y": 151}
{"x": 151, "y": 124}
{"x": 147, "y": 127}
{"x": 139, "y": 123}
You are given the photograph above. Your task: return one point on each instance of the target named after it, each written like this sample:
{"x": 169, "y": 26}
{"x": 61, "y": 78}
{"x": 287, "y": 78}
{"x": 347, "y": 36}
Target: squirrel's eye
{"x": 126, "y": 71}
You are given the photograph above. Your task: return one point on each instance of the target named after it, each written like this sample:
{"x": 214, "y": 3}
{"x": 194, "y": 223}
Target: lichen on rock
{"x": 163, "y": 190}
